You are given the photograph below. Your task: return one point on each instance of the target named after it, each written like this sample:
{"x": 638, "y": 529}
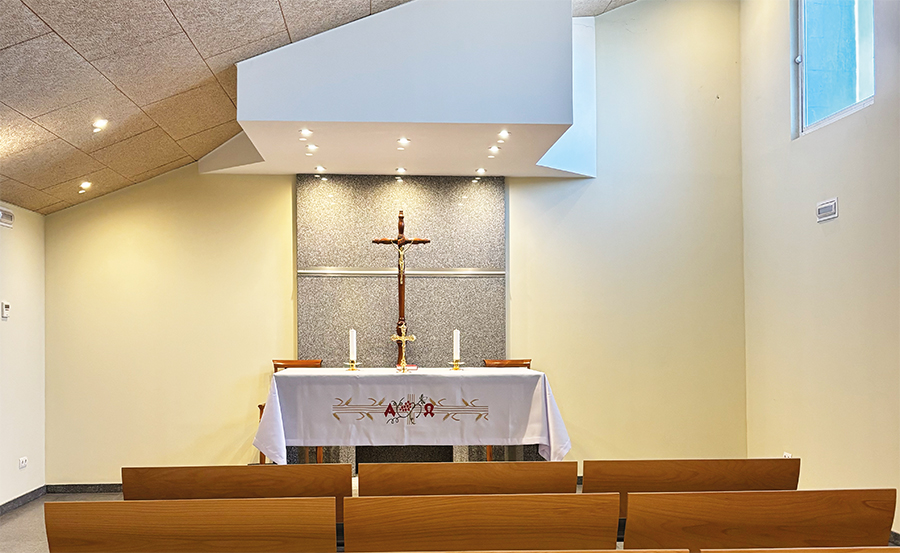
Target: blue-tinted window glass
{"x": 837, "y": 64}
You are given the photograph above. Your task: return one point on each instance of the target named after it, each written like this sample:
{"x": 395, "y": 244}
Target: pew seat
{"x": 481, "y": 522}
{"x": 688, "y": 475}
{"x": 387, "y": 479}
{"x": 760, "y": 519}
{"x": 240, "y": 481}
{"x": 303, "y": 524}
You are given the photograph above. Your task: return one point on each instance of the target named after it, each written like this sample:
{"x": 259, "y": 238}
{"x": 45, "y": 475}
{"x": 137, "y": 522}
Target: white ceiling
{"x": 160, "y": 71}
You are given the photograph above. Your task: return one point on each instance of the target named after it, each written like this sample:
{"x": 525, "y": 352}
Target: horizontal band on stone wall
{"x": 392, "y": 272}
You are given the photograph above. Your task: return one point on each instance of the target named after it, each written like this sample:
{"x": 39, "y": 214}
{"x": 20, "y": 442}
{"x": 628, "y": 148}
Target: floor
{"x": 22, "y": 530}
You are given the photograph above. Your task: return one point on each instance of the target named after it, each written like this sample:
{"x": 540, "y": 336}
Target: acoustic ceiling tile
{"x": 162, "y": 169}
{"x": 18, "y": 23}
{"x": 100, "y": 28}
{"x": 102, "y": 182}
{"x": 49, "y": 163}
{"x": 203, "y": 143}
{"x": 19, "y": 133}
{"x": 74, "y": 122}
{"x": 618, "y": 4}
{"x": 193, "y": 111}
{"x": 306, "y": 18}
{"x": 381, "y": 5}
{"x": 43, "y": 74}
{"x": 584, "y": 8}
{"x": 216, "y": 26}
{"x": 156, "y": 70}
{"x": 223, "y": 65}
{"x": 53, "y": 208}
{"x": 140, "y": 153}
{"x": 22, "y": 195}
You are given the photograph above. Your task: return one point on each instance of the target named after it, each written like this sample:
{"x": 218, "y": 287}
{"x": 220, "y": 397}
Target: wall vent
{"x": 6, "y": 218}
{"x": 827, "y": 210}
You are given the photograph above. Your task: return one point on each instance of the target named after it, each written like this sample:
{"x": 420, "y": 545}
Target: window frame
{"x": 799, "y": 59}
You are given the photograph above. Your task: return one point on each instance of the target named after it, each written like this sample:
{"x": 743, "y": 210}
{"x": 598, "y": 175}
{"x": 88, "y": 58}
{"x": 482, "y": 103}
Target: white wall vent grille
{"x": 827, "y": 210}
{"x": 6, "y": 218}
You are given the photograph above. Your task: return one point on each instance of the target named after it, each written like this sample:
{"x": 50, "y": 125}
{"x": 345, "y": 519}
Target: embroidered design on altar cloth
{"x": 409, "y": 409}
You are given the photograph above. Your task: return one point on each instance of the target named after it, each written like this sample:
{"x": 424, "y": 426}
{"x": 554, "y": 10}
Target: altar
{"x": 429, "y": 406}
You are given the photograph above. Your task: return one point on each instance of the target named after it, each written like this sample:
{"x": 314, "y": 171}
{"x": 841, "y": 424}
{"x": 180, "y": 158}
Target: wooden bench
{"x": 467, "y": 478}
{"x": 223, "y": 525}
{"x": 222, "y": 482}
{"x": 885, "y": 549}
{"x": 481, "y": 522}
{"x": 760, "y": 519}
{"x": 688, "y": 475}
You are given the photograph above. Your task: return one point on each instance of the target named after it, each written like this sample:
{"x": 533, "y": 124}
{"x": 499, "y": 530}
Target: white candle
{"x": 352, "y": 345}
{"x": 456, "y": 345}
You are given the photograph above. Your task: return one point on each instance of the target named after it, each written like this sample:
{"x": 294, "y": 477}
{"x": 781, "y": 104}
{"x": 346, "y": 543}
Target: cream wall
{"x": 822, "y": 305}
{"x": 627, "y": 289}
{"x": 22, "y": 354}
{"x": 166, "y": 303}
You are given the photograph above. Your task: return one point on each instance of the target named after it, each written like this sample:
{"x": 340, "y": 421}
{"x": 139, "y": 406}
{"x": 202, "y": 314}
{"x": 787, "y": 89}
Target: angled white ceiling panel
{"x": 447, "y": 74}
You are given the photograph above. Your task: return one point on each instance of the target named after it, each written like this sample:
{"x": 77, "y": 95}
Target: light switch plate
{"x": 4, "y": 310}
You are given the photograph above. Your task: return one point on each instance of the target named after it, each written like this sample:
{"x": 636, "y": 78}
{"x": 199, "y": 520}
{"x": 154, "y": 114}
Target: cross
{"x": 401, "y": 243}
{"x": 401, "y": 341}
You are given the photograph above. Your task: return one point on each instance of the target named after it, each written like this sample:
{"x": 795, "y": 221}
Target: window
{"x": 836, "y": 62}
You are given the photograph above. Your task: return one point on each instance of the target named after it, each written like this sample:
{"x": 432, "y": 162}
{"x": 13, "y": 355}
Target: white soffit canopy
{"x": 449, "y": 75}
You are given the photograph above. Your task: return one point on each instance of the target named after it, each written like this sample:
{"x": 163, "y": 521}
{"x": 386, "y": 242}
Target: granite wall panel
{"x": 337, "y": 218}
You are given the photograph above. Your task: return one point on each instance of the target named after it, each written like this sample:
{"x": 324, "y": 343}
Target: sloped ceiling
{"x": 160, "y": 71}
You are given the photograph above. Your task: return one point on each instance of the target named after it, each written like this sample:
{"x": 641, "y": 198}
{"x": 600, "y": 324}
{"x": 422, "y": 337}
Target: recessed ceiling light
{"x": 312, "y": 147}
{"x": 494, "y": 149}
{"x": 480, "y": 171}
{"x": 501, "y": 141}
{"x": 100, "y": 124}
{"x": 85, "y": 185}
{"x": 504, "y": 133}
{"x": 491, "y": 157}
{"x": 308, "y": 153}
{"x": 303, "y": 139}
{"x": 400, "y": 148}
{"x": 403, "y": 141}
{"x": 401, "y": 170}
{"x": 305, "y": 132}
{"x": 320, "y": 169}
{"x": 81, "y": 191}
{"x": 97, "y": 129}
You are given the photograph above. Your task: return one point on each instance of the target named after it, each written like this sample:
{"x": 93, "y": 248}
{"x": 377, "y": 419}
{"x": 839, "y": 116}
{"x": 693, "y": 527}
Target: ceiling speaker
{"x": 6, "y": 218}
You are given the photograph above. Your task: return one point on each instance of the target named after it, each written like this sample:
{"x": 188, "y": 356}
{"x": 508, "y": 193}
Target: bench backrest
{"x": 885, "y": 549}
{"x": 223, "y": 525}
{"x": 689, "y": 475}
{"x": 221, "y": 482}
{"x": 759, "y": 519}
{"x": 467, "y": 478}
{"x": 481, "y": 522}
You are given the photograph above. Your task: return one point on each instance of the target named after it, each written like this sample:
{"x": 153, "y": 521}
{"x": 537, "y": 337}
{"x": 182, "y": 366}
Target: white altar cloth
{"x": 372, "y": 406}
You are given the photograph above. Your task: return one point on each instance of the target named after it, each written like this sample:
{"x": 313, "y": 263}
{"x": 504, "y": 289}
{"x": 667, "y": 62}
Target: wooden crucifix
{"x": 401, "y": 243}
